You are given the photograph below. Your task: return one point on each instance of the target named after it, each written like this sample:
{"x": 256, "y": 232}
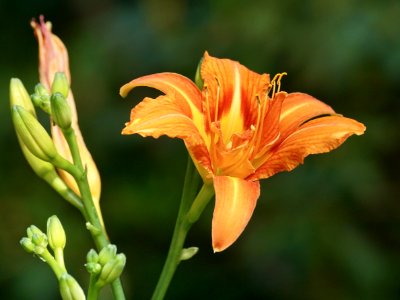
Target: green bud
{"x": 107, "y": 254}
{"x": 42, "y": 91}
{"x": 55, "y": 233}
{"x": 197, "y": 78}
{"x": 27, "y": 244}
{"x": 188, "y": 253}
{"x": 41, "y": 98}
{"x": 19, "y": 96}
{"x": 32, "y": 134}
{"x": 112, "y": 270}
{"x": 60, "y": 84}
{"x": 60, "y": 111}
{"x": 92, "y": 256}
{"x": 70, "y": 288}
{"x": 31, "y": 230}
{"x": 93, "y": 268}
{"x": 92, "y": 265}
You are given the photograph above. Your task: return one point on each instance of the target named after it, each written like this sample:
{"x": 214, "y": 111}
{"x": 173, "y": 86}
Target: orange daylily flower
{"x": 53, "y": 58}
{"x": 239, "y": 128}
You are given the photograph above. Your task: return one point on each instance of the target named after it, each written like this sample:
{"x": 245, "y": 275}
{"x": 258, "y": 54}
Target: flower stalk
{"x": 188, "y": 214}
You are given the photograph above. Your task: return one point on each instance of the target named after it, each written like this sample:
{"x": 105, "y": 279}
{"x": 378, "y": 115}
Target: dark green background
{"x": 328, "y": 230}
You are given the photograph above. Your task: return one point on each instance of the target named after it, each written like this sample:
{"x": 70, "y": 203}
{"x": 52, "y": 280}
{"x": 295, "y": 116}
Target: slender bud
{"x": 112, "y": 270}
{"x": 197, "y": 78}
{"x": 19, "y": 96}
{"x": 70, "y": 288}
{"x": 32, "y": 134}
{"x": 60, "y": 111}
{"x": 55, "y": 233}
{"x": 107, "y": 253}
{"x": 60, "y": 84}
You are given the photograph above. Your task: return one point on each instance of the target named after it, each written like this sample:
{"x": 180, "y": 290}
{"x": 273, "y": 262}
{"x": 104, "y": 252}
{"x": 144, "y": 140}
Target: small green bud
{"x": 92, "y": 265}
{"x": 42, "y": 91}
{"x": 93, "y": 268}
{"x": 60, "y": 111}
{"x": 112, "y": 270}
{"x": 60, "y": 84}
{"x": 92, "y": 256}
{"x": 32, "y": 134}
{"x": 31, "y": 230}
{"x": 55, "y": 233}
{"x": 41, "y": 98}
{"x": 19, "y": 96}
{"x": 188, "y": 253}
{"x": 27, "y": 244}
{"x": 107, "y": 253}
{"x": 197, "y": 78}
{"x": 70, "y": 288}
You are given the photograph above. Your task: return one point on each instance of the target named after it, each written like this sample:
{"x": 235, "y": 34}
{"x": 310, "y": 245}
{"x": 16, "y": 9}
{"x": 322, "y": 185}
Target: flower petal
{"x": 297, "y": 108}
{"x": 179, "y": 88}
{"x": 232, "y": 94}
{"x": 316, "y": 136}
{"x": 235, "y": 200}
{"x": 162, "y": 116}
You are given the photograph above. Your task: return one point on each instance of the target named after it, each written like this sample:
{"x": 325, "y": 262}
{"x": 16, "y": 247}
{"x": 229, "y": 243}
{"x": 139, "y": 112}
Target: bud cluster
{"x": 37, "y": 242}
{"x": 106, "y": 266}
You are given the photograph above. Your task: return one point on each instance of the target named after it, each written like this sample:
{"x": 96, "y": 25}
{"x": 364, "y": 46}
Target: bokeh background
{"x": 328, "y": 230}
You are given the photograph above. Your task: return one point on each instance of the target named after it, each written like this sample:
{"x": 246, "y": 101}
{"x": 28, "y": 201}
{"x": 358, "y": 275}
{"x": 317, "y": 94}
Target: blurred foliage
{"x": 328, "y": 230}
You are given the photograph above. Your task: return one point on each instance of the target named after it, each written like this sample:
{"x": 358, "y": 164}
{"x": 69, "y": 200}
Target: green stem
{"x": 182, "y": 226}
{"x": 99, "y": 236}
{"x": 49, "y": 259}
{"x": 93, "y": 293}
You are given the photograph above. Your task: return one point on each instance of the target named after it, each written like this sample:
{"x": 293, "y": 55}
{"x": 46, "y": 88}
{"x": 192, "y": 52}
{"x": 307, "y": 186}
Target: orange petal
{"x": 298, "y": 108}
{"x": 182, "y": 90}
{"x": 53, "y": 55}
{"x": 232, "y": 91}
{"x": 162, "y": 116}
{"x": 235, "y": 200}
{"x": 316, "y": 136}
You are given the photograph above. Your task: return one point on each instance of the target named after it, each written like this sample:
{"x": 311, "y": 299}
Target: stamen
{"x": 276, "y": 84}
{"x": 279, "y": 80}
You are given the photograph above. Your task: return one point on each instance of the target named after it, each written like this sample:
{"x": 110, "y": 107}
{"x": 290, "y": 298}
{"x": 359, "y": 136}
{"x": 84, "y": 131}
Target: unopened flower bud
{"x": 60, "y": 111}
{"x": 60, "y": 84}
{"x": 27, "y": 244}
{"x": 32, "y": 134}
{"x": 197, "y": 78}
{"x": 19, "y": 96}
{"x": 92, "y": 265}
{"x": 107, "y": 253}
{"x": 55, "y": 233}
{"x": 31, "y": 230}
{"x": 41, "y": 98}
{"x": 42, "y": 91}
{"x": 112, "y": 270}
{"x": 92, "y": 256}
{"x": 70, "y": 288}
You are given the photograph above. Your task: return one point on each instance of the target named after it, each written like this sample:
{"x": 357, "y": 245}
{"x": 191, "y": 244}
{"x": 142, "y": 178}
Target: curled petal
{"x": 162, "y": 116}
{"x": 180, "y": 89}
{"x": 297, "y": 108}
{"x": 316, "y": 136}
{"x": 235, "y": 200}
